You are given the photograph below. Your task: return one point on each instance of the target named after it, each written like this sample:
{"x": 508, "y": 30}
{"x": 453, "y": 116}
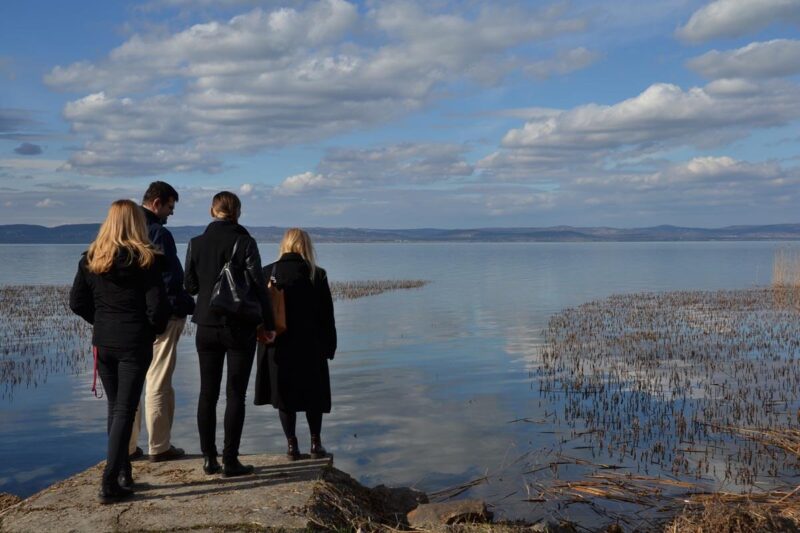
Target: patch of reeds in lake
{"x": 349, "y": 290}
{"x": 693, "y": 385}
{"x": 39, "y": 335}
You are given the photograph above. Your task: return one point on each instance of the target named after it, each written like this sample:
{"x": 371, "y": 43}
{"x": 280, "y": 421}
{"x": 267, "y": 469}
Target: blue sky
{"x": 403, "y": 114}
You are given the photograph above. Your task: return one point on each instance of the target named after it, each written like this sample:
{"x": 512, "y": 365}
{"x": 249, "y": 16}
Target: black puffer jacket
{"x": 127, "y": 305}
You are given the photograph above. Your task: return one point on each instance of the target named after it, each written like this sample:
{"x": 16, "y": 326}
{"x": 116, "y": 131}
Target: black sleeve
{"x": 190, "y": 278}
{"x": 252, "y": 261}
{"x": 173, "y": 272}
{"x": 158, "y": 308}
{"x": 81, "y": 299}
{"x": 326, "y": 317}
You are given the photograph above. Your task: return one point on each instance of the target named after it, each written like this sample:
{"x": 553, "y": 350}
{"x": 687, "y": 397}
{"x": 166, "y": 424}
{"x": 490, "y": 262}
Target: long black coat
{"x": 127, "y": 305}
{"x": 206, "y": 255}
{"x": 293, "y": 374}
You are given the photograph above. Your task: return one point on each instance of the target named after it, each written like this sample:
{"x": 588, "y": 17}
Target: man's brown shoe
{"x": 169, "y": 455}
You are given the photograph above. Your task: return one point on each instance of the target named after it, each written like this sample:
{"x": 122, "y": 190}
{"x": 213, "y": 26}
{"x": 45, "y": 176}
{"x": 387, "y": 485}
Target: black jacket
{"x": 205, "y": 257}
{"x": 293, "y": 374}
{"x": 180, "y": 301}
{"x": 127, "y": 305}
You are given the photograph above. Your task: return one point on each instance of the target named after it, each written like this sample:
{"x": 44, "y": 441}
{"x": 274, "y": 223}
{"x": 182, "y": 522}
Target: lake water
{"x": 426, "y": 382}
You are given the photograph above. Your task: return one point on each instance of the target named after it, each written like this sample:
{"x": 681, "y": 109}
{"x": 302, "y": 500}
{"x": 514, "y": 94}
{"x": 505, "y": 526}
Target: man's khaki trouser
{"x": 159, "y": 398}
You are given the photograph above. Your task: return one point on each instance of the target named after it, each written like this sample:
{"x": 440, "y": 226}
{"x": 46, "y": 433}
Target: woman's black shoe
{"x": 292, "y": 449}
{"x": 317, "y": 451}
{"x": 211, "y": 465}
{"x": 233, "y": 468}
{"x": 113, "y": 493}
{"x": 126, "y": 477}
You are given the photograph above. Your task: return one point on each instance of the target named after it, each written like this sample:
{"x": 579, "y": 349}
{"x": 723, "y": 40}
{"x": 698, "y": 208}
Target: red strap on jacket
{"x": 94, "y": 378}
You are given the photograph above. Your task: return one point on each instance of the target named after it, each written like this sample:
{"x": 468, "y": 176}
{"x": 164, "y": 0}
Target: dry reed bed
{"x": 662, "y": 380}
{"x": 40, "y": 336}
{"x": 697, "y": 388}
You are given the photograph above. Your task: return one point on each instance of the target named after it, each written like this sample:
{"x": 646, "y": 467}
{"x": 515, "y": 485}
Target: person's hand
{"x": 265, "y": 336}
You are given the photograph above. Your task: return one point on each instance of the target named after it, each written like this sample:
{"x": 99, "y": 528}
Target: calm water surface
{"x": 426, "y": 382}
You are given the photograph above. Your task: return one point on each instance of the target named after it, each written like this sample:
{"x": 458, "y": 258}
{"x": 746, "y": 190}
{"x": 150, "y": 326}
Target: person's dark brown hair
{"x": 226, "y": 205}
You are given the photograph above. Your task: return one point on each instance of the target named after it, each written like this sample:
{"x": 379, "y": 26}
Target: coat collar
{"x": 291, "y": 256}
{"x": 225, "y": 226}
{"x": 151, "y": 217}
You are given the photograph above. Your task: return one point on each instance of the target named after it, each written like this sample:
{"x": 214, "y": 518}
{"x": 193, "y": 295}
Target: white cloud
{"x": 246, "y": 189}
{"x": 708, "y": 171}
{"x": 662, "y": 117}
{"x": 564, "y": 63}
{"x": 396, "y": 165}
{"x": 305, "y": 182}
{"x": 272, "y": 78}
{"x": 48, "y": 203}
{"x": 714, "y": 189}
{"x": 101, "y": 158}
{"x": 498, "y": 204}
{"x": 32, "y": 164}
{"x": 734, "y": 18}
{"x": 776, "y": 58}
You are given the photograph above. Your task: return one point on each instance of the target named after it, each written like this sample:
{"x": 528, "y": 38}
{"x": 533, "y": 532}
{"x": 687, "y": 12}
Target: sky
{"x": 404, "y": 114}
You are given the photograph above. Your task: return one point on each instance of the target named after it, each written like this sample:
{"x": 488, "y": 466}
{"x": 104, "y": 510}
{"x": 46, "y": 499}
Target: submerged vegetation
{"x": 40, "y": 336}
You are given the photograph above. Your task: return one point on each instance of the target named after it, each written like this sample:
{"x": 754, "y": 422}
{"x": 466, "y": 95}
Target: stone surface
{"x": 431, "y": 515}
{"x": 178, "y": 496}
{"x": 7, "y": 500}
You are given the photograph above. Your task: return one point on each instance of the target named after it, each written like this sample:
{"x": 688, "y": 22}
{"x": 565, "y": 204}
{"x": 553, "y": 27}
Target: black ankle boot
{"x": 317, "y": 451}
{"x": 292, "y": 449}
{"x": 125, "y": 478}
{"x": 211, "y": 465}
{"x": 113, "y": 493}
{"x": 232, "y": 467}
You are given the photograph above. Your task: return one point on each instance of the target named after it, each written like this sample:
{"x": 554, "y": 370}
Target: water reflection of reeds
{"x": 40, "y": 336}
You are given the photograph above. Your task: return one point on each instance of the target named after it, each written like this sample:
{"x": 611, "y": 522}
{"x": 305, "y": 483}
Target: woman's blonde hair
{"x": 298, "y": 241}
{"x": 124, "y": 227}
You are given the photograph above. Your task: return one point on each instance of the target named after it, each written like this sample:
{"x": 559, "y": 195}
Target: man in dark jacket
{"x": 158, "y": 204}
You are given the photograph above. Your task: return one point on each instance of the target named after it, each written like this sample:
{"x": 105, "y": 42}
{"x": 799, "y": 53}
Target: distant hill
{"x": 84, "y": 233}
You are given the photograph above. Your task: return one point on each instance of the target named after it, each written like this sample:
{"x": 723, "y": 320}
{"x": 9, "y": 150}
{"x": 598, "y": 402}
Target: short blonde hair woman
{"x": 293, "y": 374}
{"x": 298, "y": 241}
{"x": 119, "y": 290}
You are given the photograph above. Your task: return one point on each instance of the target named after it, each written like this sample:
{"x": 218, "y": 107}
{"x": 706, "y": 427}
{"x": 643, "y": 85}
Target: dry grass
{"x": 340, "y": 503}
{"x": 720, "y": 514}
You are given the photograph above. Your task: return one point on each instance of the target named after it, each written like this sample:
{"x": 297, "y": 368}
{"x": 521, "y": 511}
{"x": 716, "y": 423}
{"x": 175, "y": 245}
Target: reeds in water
{"x": 40, "y": 336}
{"x": 700, "y": 387}
{"x": 786, "y": 278}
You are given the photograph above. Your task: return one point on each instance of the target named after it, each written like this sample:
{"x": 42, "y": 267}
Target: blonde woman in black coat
{"x": 292, "y": 373}
{"x": 119, "y": 290}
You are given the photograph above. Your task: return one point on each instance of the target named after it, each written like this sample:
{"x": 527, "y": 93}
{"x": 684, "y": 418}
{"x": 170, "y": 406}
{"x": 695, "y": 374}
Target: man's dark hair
{"x": 161, "y": 190}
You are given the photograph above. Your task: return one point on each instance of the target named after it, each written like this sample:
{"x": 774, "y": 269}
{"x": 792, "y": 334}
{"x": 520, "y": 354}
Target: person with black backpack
{"x": 293, "y": 374}
{"x": 221, "y": 330}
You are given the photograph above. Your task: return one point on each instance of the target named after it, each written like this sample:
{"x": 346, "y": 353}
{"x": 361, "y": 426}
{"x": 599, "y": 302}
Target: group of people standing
{"x": 131, "y": 287}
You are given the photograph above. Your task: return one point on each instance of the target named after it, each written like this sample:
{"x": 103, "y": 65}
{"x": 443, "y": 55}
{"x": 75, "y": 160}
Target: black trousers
{"x": 213, "y": 345}
{"x": 122, "y": 372}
